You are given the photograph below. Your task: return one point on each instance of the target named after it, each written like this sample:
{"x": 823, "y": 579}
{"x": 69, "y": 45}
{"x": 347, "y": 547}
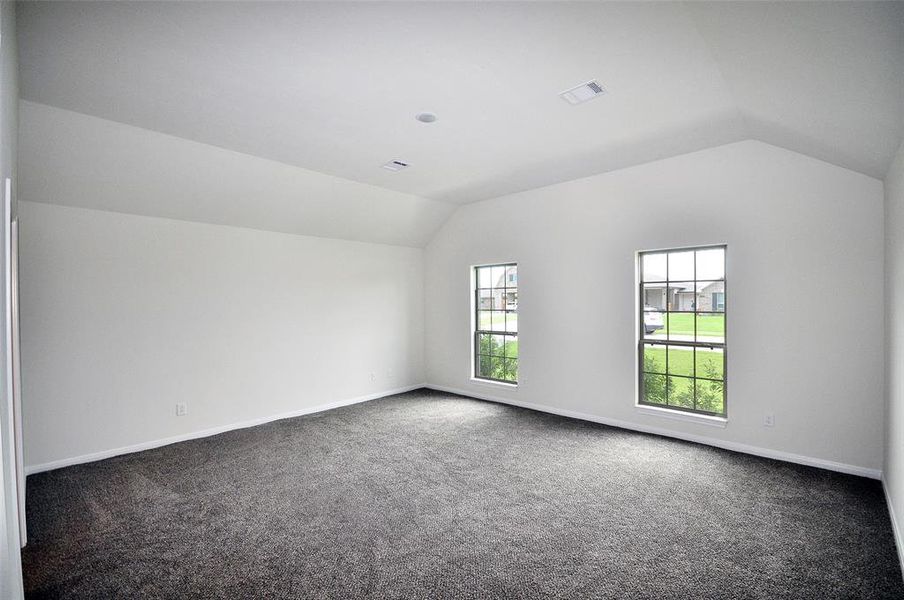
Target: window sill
{"x": 491, "y": 383}
{"x": 682, "y": 416}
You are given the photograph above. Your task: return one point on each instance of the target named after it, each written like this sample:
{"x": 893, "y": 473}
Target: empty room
{"x": 454, "y": 300}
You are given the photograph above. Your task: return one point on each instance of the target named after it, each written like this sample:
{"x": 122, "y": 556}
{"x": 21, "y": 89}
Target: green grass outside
{"x": 499, "y": 323}
{"x": 683, "y": 323}
{"x": 681, "y": 362}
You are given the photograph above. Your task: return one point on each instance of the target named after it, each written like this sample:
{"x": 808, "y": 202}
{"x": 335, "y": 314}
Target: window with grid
{"x": 682, "y": 349}
{"x": 496, "y": 322}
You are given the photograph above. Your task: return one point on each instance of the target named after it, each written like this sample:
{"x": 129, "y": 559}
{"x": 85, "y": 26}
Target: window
{"x": 719, "y": 300}
{"x": 682, "y": 349}
{"x": 496, "y": 323}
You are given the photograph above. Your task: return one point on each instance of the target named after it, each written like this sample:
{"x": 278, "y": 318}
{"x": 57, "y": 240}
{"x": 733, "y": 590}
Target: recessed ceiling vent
{"x": 395, "y": 165}
{"x": 583, "y": 93}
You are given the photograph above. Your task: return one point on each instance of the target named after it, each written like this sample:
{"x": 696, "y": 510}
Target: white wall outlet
{"x": 181, "y": 409}
{"x": 373, "y": 376}
{"x": 768, "y": 420}
{"x": 389, "y": 374}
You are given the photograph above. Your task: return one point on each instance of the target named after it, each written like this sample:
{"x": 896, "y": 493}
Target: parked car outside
{"x": 652, "y": 321}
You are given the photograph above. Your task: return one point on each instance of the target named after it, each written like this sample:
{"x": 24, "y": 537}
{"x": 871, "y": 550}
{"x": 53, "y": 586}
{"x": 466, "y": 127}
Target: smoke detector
{"x": 582, "y": 93}
{"x": 395, "y": 166}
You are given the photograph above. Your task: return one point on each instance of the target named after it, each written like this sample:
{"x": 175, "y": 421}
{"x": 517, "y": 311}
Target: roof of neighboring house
{"x": 662, "y": 284}
{"x": 681, "y": 286}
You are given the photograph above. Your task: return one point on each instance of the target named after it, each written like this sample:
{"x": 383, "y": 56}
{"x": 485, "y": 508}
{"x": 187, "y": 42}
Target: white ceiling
{"x": 821, "y": 78}
{"x": 73, "y": 159}
{"x": 334, "y": 87}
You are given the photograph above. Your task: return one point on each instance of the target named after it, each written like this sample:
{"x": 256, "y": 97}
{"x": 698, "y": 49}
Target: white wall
{"x": 805, "y": 295}
{"x": 894, "y": 326}
{"x": 123, "y": 316}
{"x": 10, "y": 564}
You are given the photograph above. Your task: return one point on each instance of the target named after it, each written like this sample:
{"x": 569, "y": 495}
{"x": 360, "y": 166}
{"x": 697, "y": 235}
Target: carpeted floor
{"x": 430, "y": 495}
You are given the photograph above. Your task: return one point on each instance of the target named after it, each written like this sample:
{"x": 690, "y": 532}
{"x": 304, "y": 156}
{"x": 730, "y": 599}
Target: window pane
{"x": 499, "y": 299}
{"x": 711, "y": 327}
{"x": 654, "y": 388}
{"x": 511, "y": 321}
{"x": 489, "y": 299}
{"x": 654, "y": 358}
{"x": 497, "y": 346}
{"x": 511, "y": 299}
{"x": 718, "y": 301}
{"x": 511, "y": 346}
{"x": 710, "y": 296}
{"x": 511, "y": 276}
{"x": 484, "y": 277}
{"x": 710, "y": 363}
{"x": 654, "y": 267}
{"x": 654, "y": 297}
{"x": 681, "y": 295}
{"x": 498, "y": 277}
{"x": 509, "y": 370}
{"x": 681, "y": 392}
{"x": 681, "y": 361}
{"x": 710, "y": 396}
{"x": 711, "y": 263}
{"x": 491, "y": 320}
{"x": 654, "y": 326}
{"x": 485, "y": 299}
{"x": 487, "y": 365}
{"x": 680, "y": 326}
{"x": 681, "y": 266}
{"x": 485, "y": 344}
{"x": 496, "y": 367}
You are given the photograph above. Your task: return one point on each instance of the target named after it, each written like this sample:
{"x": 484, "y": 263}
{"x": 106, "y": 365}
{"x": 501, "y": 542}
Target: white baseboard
{"x": 94, "y": 456}
{"x": 734, "y": 446}
{"x": 896, "y": 531}
{"x": 737, "y": 447}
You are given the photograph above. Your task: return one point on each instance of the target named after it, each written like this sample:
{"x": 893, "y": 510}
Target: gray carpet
{"x": 431, "y": 495}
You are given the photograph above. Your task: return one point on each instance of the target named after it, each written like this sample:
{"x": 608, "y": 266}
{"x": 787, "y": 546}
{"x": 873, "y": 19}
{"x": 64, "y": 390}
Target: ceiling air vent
{"x": 395, "y": 165}
{"x": 583, "y": 93}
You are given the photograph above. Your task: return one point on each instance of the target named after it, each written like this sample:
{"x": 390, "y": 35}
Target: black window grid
{"x": 644, "y": 340}
{"x": 508, "y": 315}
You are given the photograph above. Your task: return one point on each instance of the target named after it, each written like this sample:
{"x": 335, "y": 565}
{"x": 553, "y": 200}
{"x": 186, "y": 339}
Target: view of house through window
{"x": 682, "y": 329}
{"x": 496, "y": 322}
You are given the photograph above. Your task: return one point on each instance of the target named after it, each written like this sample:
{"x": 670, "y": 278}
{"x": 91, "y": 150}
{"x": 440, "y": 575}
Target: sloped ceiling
{"x": 821, "y": 78}
{"x": 72, "y": 159}
{"x": 334, "y": 87}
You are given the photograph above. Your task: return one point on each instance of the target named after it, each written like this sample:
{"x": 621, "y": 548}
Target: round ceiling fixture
{"x": 426, "y": 117}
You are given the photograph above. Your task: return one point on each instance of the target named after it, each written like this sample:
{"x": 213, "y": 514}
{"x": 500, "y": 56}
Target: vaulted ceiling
{"x": 335, "y": 87}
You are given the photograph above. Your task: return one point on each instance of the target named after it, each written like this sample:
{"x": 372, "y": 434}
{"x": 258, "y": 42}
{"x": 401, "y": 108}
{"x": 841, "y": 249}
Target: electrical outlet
{"x": 769, "y": 420}
{"x": 181, "y": 409}
{"x": 389, "y": 374}
{"x": 373, "y": 376}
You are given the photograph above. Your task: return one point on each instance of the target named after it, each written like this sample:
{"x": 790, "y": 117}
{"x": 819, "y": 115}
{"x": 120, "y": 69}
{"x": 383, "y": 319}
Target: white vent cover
{"x": 395, "y": 165}
{"x": 583, "y": 93}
